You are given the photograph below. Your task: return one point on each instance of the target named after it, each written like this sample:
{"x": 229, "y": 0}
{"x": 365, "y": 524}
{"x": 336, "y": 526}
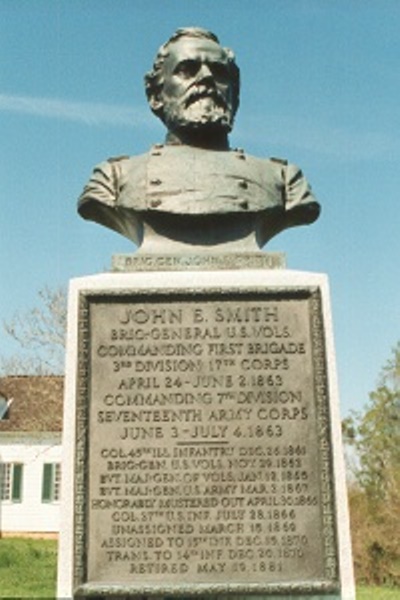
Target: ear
{"x": 156, "y": 104}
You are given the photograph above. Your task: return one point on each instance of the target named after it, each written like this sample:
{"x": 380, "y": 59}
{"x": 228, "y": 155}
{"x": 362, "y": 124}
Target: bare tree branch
{"x": 40, "y": 333}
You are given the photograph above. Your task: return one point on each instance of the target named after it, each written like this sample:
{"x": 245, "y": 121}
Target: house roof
{"x": 37, "y": 403}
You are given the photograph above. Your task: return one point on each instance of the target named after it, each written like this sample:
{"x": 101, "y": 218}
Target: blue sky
{"x": 320, "y": 87}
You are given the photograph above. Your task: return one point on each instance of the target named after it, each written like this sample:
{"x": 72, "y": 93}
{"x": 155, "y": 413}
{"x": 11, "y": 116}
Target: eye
{"x": 187, "y": 68}
{"x": 220, "y": 70}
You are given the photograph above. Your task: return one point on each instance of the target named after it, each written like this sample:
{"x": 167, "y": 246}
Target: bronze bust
{"x": 193, "y": 188}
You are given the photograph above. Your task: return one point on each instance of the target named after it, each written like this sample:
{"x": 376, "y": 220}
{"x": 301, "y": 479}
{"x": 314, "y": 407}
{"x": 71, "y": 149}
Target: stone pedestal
{"x": 202, "y": 440}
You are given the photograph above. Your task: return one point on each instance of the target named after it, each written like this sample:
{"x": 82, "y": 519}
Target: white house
{"x": 30, "y": 454}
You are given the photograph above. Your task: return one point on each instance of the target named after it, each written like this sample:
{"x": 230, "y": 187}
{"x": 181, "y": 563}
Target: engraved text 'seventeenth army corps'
{"x": 194, "y": 89}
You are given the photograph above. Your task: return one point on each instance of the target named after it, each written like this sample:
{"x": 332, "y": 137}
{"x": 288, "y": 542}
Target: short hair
{"x": 154, "y": 79}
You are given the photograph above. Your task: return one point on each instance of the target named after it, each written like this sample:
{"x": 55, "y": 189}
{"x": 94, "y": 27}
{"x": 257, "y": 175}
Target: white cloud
{"x": 89, "y": 113}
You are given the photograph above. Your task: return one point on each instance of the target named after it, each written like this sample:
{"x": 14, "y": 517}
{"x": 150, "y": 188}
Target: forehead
{"x": 194, "y": 49}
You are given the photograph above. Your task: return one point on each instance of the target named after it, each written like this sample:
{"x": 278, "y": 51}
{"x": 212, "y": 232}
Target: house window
{"x": 51, "y": 482}
{"x": 4, "y": 407}
{"x": 11, "y": 481}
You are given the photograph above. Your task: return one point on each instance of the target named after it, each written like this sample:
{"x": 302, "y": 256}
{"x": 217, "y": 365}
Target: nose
{"x": 204, "y": 72}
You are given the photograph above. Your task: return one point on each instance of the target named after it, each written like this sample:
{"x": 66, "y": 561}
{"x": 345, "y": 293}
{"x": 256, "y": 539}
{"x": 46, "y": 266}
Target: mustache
{"x": 202, "y": 91}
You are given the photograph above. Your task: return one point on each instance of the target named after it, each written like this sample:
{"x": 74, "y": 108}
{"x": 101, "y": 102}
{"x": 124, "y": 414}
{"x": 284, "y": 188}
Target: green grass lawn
{"x": 28, "y": 570}
{"x": 377, "y": 593}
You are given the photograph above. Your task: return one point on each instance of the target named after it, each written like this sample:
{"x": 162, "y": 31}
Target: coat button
{"x": 155, "y": 181}
{"x": 243, "y": 184}
{"x": 244, "y": 204}
{"x": 155, "y": 203}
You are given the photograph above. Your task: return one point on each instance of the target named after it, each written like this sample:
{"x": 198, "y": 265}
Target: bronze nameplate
{"x": 197, "y": 262}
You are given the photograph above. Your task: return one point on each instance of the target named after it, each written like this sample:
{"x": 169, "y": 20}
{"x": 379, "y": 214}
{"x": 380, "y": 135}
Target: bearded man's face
{"x": 197, "y": 93}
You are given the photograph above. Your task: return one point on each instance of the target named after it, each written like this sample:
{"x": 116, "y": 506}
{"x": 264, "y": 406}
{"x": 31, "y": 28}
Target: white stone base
{"x": 201, "y": 280}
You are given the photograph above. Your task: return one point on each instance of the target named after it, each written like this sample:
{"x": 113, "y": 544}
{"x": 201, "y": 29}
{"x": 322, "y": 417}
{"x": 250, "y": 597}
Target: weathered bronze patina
{"x": 204, "y": 460}
{"x": 194, "y": 181}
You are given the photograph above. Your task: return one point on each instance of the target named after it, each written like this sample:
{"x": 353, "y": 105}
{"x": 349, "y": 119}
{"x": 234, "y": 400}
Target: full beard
{"x": 202, "y": 113}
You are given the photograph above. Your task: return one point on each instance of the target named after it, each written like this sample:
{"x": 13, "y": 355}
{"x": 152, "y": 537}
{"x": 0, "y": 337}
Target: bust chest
{"x": 188, "y": 180}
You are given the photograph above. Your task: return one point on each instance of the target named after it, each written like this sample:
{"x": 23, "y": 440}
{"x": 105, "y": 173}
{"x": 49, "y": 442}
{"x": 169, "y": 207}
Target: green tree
{"x": 375, "y": 496}
{"x": 40, "y": 336}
